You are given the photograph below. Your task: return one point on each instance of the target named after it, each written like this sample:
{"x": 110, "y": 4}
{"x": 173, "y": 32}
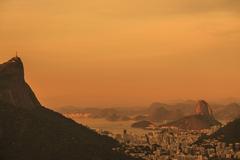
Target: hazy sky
{"x": 124, "y": 52}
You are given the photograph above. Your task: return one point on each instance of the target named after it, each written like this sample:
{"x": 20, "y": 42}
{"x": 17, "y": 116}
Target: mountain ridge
{"x": 228, "y": 134}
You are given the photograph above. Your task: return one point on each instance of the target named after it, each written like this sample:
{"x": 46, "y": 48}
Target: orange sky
{"x": 124, "y": 52}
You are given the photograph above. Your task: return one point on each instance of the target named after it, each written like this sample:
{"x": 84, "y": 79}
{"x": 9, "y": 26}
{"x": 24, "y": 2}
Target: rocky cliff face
{"x": 13, "y": 88}
{"x": 203, "y": 108}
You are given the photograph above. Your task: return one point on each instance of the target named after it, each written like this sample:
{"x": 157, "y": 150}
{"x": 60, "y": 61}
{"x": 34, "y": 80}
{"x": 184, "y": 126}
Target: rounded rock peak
{"x": 203, "y": 108}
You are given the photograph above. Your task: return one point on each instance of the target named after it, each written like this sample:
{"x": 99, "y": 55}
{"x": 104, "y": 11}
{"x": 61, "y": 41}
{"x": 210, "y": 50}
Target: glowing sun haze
{"x": 124, "y": 52}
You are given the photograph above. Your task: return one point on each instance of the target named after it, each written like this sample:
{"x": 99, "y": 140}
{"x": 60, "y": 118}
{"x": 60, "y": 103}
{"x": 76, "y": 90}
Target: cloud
{"x": 161, "y": 8}
{"x": 122, "y": 9}
{"x": 210, "y": 5}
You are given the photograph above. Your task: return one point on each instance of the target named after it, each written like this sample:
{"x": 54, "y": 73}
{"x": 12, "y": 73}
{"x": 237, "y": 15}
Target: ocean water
{"x": 115, "y": 127}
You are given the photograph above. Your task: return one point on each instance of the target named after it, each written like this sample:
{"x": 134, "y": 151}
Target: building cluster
{"x": 175, "y": 144}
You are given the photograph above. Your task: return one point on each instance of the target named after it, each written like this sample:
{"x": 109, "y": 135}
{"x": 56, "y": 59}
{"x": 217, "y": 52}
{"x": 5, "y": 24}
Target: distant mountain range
{"x": 202, "y": 119}
{"x": 29, "y": 131}
{"x": 158, "y": 112}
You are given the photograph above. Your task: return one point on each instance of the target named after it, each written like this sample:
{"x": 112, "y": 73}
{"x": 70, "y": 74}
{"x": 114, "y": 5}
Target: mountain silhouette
{"x": 202, "y": 119}
{"x": 228, "y": 134}
{"x": 29, "y": 131}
